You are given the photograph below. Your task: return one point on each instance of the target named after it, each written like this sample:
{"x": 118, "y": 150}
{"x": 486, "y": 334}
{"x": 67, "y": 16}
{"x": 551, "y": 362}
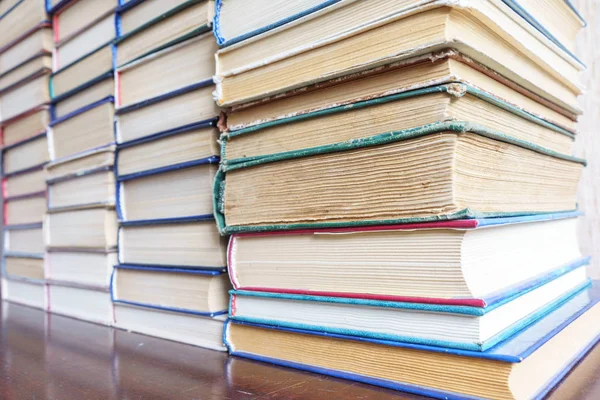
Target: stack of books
{"x": 170, "y": 281}
{"x": 398, "y": 181}
{"x": 25, "y": 66}
{"x": 81, "y": 224}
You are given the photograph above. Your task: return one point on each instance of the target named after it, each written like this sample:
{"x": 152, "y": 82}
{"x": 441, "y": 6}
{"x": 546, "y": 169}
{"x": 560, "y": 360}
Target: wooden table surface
{"x": 44, "y": 356}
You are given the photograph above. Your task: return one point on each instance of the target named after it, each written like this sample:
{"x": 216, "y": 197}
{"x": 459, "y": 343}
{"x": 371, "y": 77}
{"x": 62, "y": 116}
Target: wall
{"x": 588, "y": 140}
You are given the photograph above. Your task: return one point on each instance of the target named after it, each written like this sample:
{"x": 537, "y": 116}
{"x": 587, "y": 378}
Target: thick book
{"x": 65, "y": 265}
{"x": 161, "y": 28}
{"x": 17, "y": 21}
{"x": 461, "y": 263}
{"x": 27, "y": 125}
{"x": 472, "y": 172}
{"x": 461, "y": 327}
{"x": 402, "y": 111}
{"x": 24, "y": 239}
{"x": 192, "y": 104}
{"x": 26, "y": 155}
{"x": 99, "y": 159}
{"x": 84, "y": 302}
{"x": 31, "y": 93}
{"x": 191, "y": 291}
{"x": 23, "y": 291}
{"x": 26, "y": 266}
{"x": 179, "y": 327}
{"x": 83, "y": 130}
{"x": 295, "y": 54}
{"x": 428, "y": 70}
{"x": 34, "y": 43}
{"x": 33, "y": 180}
{"x": 89, "y": 93}
{"x": 526, "y": 366}
{"x": 73, "y": 17}
{"x": 81, "y": 229}
{"x": 27, "y": 70}
{"x": 88, "y": 189}
{"x": 189, "y": 62}
{"x": 24, "y": 210}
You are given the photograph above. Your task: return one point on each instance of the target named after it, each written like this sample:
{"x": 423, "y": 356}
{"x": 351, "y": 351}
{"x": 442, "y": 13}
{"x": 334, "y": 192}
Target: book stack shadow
{"x": 171, "y": 279}
{"x": 400, "y": 188}
{"x": 25, "y": 67}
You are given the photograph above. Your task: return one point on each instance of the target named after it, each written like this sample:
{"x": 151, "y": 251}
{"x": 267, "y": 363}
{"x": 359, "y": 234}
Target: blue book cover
{"x": 572, "y": 318}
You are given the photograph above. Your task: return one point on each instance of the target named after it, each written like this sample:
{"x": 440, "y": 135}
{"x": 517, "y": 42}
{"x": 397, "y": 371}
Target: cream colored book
{"x": 26, "y": 154}
{"x": 80, "y": 301}
{"x": 27, "y": 239}
{"x": 37, "y": 42}
{"x": 25, "y": 183}
{"x": 28, "y": 125}
{"x": 184, "y": 192}
{"x": 182, "y": 245}
{"x": 98, "y": 90}
{"x": 39, "y": 65}
{"x": 76, "y": 17}
{"x": 188, "y": 63}
{"x": 25, "y": 210}
{"x": 25, "y": 292}
{"x": 184, "y": 108}
{"x": 26, "y": 14}
{"x": 200, "y": 292}
{"x": 324, "y": 46}
{"x": 97, "y": 159}
{"x": 161, "y": 27}
{"x": 24, "y": 267}
{"x": 94, "y": 67}
{"x": 441, "y": 171}
{"x": 89, "y": 189}
{"x": 22, "y": 98}
{"x": 195, "y": 142}
{"x": 74, "y": 48}
{"x": 90, "y": 228}
{"x": 92, "y": 268}
{"x": 179, "y": 327}
{"x": 85, "y": 130}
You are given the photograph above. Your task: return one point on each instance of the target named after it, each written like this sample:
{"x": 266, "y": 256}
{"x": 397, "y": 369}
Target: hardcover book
{"x": 89, "y": 189}
{"x": 89, "y": 93}
{"x": 192, "y": 291}
{"x": 326, "y": 46}
{"x": 27, "y": 70}
{"x": 525, "y": 366}
{"x": 85, "y": 302}
{"x": 84, "y": 267}
{"x": 17, "y": 100}
{"x": 24, "y": 210}
{"x": 24, "y": 266}
{"x": 19, "y": 19}
{"x": 23, "y": 183}
{"x": 462, "y": 327}
{"x": 76, "y": 15}
{"x": 30, "y": 124}
{"x": 24, "y": 291}
{"x": 24, "y": 239}
{"x": 99, "y": 159}
{"x": 26, "y": 155}
{"x": 36, "y": 42}
{"x": 83, "y": 229}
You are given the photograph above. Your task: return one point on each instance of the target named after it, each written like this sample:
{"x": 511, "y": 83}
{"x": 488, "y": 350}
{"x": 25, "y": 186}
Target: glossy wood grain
{"x": 44, "y": 356}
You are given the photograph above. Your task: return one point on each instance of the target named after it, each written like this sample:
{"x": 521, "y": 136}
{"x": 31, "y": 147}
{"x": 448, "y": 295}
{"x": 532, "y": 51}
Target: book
{"x": 83, "y": 73}
{"x": 20, "y": 99}
{"x": 24, "y": 239}
{"x": 27, "y": 125}
{"x": 83, "y": 302}
{"x": 197, "y": 292}
{"x": 190, "y": 105}
{"x": 181, "y": 21}
{"x": 36, "y": 66}
{"x": 88, "y": 128}
{"x": 89, "y": 228}
{"x": 19, "y": 19}
{"x": 24, "y": 291}
{"x": 66, "y": 266}
{"x": 24, "y": 210}
{"x": 551, "y": 347}
{"x": 184, "y": 145}
{"x": 89, "y": 189}
{"x": 403, "y": 111}
{"x": 189, "y": 62}
{"x": 179, "y": 327}
{"x": 471, "y": 172}
{"x": 20, "y": 184}
{"x": 295, "y": 55}
{"x": 461, "y": 327}
{"x": 72, "y": 49}
{"x": 470, "y": 255}
{"x": 439, "y": 68}
{"x": 21, "y": 266}
{"x": 74, "y": 17}
{"x": 177, "y": 192}
{"x": 234, "y": 23}
{"x": 89, "y": 93}
{"x": 185, "y": 244}
{"x": 36, "y": 42}
{"x": 26, "y": 155}
{"x": 98, "y": 159}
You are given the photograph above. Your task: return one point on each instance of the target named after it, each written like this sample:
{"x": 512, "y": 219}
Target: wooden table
{"x": 44, "y": 356}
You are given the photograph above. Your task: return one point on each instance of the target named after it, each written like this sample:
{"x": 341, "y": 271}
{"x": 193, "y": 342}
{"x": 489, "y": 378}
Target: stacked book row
{"x": 399, "y": 184}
